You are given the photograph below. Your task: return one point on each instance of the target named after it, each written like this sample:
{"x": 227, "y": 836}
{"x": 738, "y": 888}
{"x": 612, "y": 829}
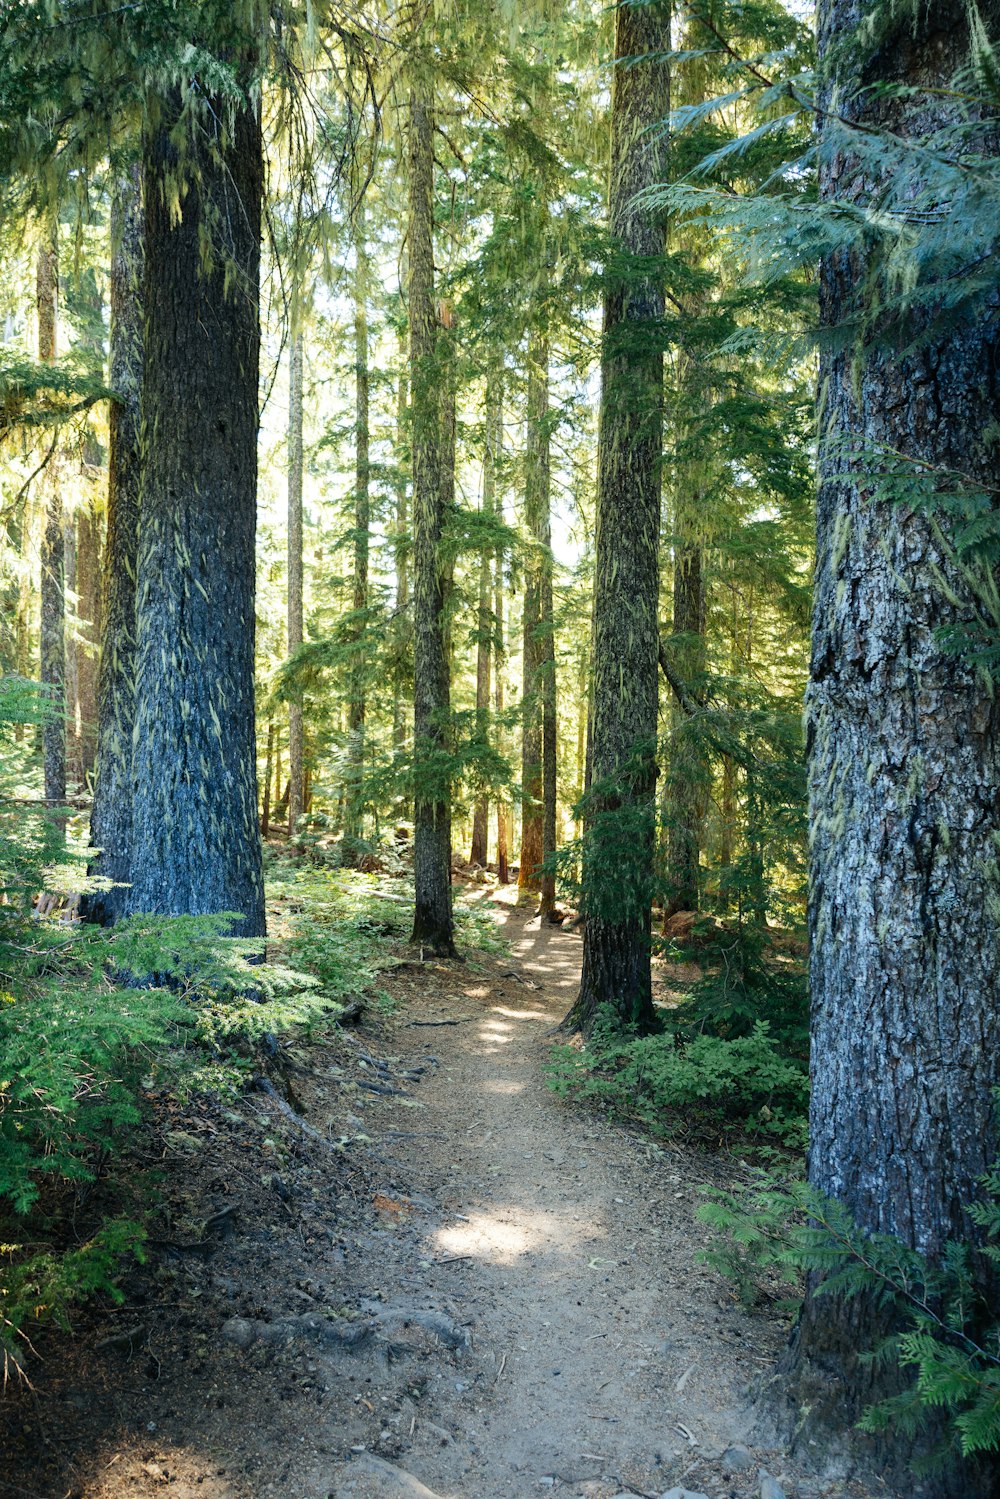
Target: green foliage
{"x": 944, "y": 1329}
{"x": 706, "y": 1081}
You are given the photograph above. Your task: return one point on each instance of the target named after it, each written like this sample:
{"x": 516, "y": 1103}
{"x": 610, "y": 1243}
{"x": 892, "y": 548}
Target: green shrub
{"x": 746, "y": 1081}
{"x": 947, "y": 1333}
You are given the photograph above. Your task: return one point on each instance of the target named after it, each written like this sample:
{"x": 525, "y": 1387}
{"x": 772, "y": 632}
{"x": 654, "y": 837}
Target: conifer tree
{"x": 618, "y": 857}
{"x": 53, "y": 605}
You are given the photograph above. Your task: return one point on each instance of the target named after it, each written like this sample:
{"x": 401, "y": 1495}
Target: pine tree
{"x": 53, "y": 608}
{"x": 619, "y": 849}
{"x": 433, "y": 922}
{"x": 195, "y": 835}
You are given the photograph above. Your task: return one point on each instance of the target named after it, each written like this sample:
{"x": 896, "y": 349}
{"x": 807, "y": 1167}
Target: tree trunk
{"x": 904, "y": 772}
{"x": 401, "y": 557}
{"x": 88, "y": 589}
{"x": 362, "y": 528}
{"x": 53, "y": 603}
{"x": 618, "y": 862}
{"x": 295, "y": 575}
{"x": 74, "y": 743}
{"x": 479, "y": 851}
{"x": 503, "y": 806}
{"x": 265, "y": 811}
{"x": 111, "y": 815}
{"x": 433, "y": 923}
{"x": 196, "y": 837}
{"x": 536, "y": 503}
{"x": 686, "y": 782}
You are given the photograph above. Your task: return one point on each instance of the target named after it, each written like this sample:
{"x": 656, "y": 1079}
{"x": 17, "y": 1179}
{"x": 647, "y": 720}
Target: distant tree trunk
{"x": 433, "y": 923}
{"x": 536, "y": 505}
{"x": 449, "y": 437}
{"x": 621, "y": 816}
{"x": 74, "y": 743}
{"x": 111, "y": 815}
{"x": 503, "y": 806}
{"x": 401, "y": 555}
{"x": 484, "y": 619}
{"x": 685, "y": 784}
{"x": 904, "y": 770}
{"x": 53, "y": 605}
{"x": 265, "y": 812}
{"x": 547, "y": 685}
{"x": 295, "y": 574}
{"x": 362, "y": 527}
{"x": 88, "y": 589}
{"x": 196, "y": 836}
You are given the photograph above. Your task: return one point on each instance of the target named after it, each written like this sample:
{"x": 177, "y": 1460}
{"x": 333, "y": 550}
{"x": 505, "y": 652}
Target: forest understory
{"x": 443, "y": 1276}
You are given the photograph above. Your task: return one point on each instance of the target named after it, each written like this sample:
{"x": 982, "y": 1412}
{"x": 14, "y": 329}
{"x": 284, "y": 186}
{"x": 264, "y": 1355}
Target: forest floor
{"x": 448, "y": 1282}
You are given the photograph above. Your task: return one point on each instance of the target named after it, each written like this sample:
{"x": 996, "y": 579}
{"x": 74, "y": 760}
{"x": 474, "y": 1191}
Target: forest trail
{"x": 481, "y": 1289}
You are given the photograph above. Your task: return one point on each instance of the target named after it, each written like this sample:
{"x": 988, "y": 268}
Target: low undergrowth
{"x": 731, "y": 1056}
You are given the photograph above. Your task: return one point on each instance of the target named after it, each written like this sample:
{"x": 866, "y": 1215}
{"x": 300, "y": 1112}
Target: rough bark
{"x": 536, "y": 490}
{"x": 53, "y": 590}
{"x": 196, "y": 837}
{"x": 904, "y": 771}
{"x": 621, "y": 814}
{"x": 401, "y": 556}
{"x": 362, "y": 527}
{"x": 88, "y": 590}
{"x": 500, "y": 674}
{"x": 433, "y": 923}
{"x": 111, "y": 815}
{"x": 685, "y": 788}
{"x": 294, "y": 625}
{"x": 478, "y": 852}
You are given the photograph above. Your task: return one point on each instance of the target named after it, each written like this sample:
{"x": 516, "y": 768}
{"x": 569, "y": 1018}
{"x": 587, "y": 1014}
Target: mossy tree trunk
{"x": 686, "y": 782}
{"x": 53, "y": 590}
{"x": 295, "y": 606}
{"x": 433, "y": 922}
{"x": 88, "y": 588}
{"x": 485, "y": 624}
{"x": 401, "y": 556}
{"x": 195, "y": 834}
{"x": 536, "y": 505}
{"x": 618, "y": 862}
{"x": 499, "y": 700}
{"x": 111, "y": 816}
{"x": 904, "y": 770}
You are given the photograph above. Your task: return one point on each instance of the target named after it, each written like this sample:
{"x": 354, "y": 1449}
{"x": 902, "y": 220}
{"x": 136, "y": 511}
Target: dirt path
{"x": 479, "y": 1288}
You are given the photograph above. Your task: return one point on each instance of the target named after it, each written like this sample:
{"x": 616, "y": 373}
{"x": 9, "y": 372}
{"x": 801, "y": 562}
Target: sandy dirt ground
{"x": 445, "y": 1281}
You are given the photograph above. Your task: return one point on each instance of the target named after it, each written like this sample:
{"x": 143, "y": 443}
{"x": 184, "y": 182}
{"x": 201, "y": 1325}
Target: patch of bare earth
{"x": 449, "y": 1282}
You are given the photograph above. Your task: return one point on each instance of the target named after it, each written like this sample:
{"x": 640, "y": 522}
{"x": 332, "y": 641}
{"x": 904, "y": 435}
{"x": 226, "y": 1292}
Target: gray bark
{"x": 53, "y": 601}
{"x": 195, "y": 833}
{"x": 433, "y": 923}
{"x": 904, "y": 770}
{"x": 111, "y": 816}
{"x": 484, "y": 617}
{"x": 616, "y": 952}
{"x": 295, "y": 577}
{"x": 536, "y": 510}
{"x": 362, "y": 525}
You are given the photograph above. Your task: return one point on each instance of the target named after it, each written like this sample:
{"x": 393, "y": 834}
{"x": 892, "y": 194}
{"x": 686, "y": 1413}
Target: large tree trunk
{"x": 433, "y": 924}
{"x": 685, "y": 789}
{"x": 618, "y": 863}
{"x": 196, "y": 837}
{"x": 536, "y": 501}
{"x": 52, "y": 638}
{"x": 88, "y": 589}
{"x": 904, "y": 769}
{"x": 295, "y": 607}
{"x": 478, "y": 853}
{"x": 401, "y": 555}
{"x": 111, "y": 815}
{"x": 500, "y": 674}
{"x": 362, "y": 527}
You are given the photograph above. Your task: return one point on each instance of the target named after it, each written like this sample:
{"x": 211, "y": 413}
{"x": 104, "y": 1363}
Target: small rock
{"x": 679, "y": 1493}
{"x": 770, "y": 1488}
{"x": 737, "y": 1458}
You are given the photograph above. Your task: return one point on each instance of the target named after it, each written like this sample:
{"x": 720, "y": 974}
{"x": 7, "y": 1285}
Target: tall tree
{"x": 362, "y": 515}
{"x": 433, "y": 922}
{"x": 619, "y": 838}
{"x": 484, "y": 612}
{"x": 296, "y": 355}
{"x": 111, "y": 815}
{"x": 53, "y": 609}
{"x": 195, "y": 835}
{"x": 903, "y": 734}
{"x": 536, "y": 506}
{"x": 88, "y": 590}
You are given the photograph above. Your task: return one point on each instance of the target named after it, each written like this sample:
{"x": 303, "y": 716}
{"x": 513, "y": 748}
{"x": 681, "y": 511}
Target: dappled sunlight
{"x": 499, "y": 1239}
{"x": 519, "y": 1014}
{"x": 502, "y": 1085}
